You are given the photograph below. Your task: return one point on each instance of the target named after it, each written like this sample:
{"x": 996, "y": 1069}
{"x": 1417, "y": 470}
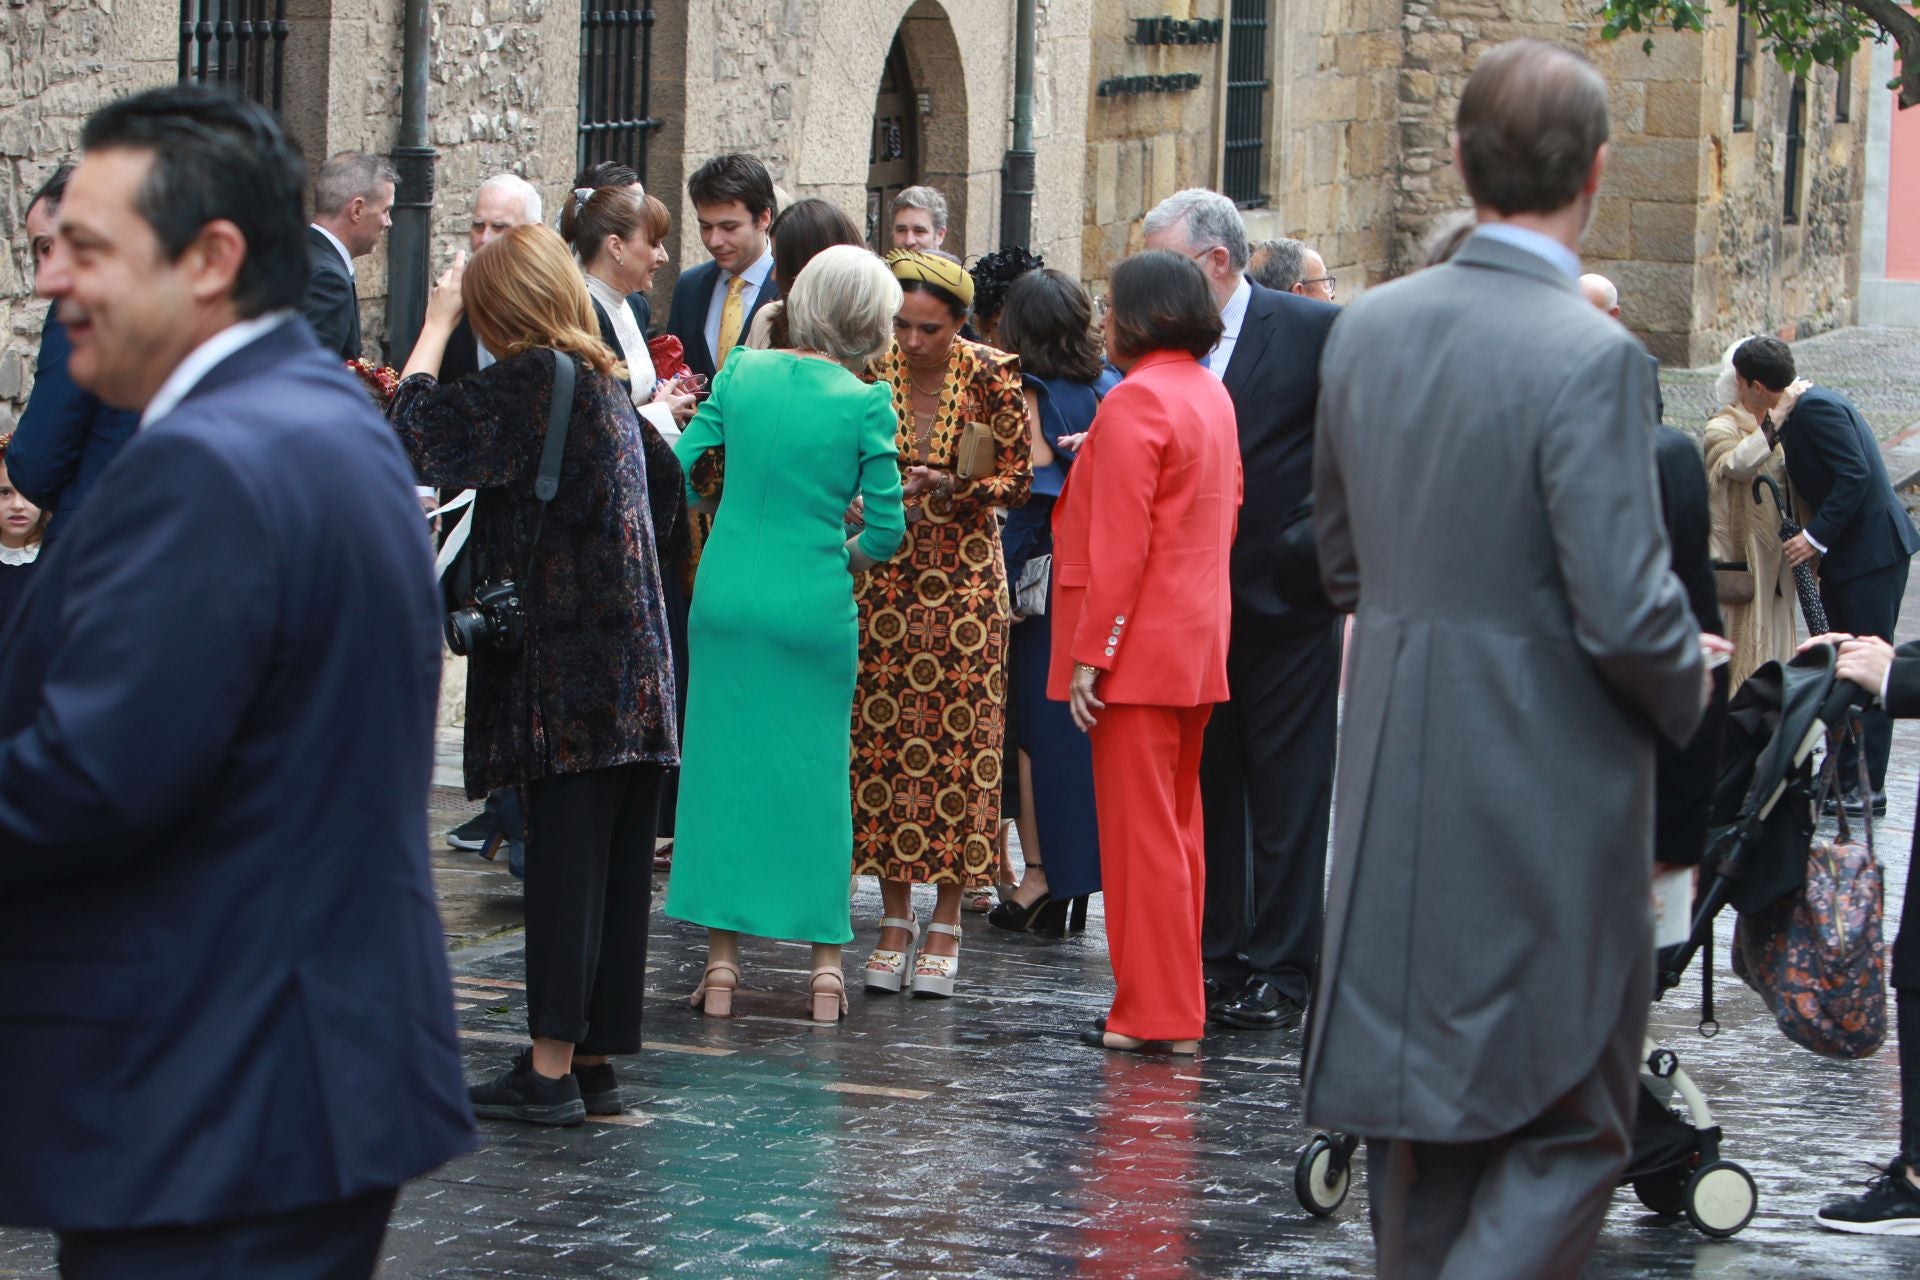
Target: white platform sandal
{"x": 933, "y": 976}
{"x": 887, "y": 970}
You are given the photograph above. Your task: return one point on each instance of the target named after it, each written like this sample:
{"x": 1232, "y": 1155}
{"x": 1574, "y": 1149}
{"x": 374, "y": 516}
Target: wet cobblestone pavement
{"x": 977, "y": 1137}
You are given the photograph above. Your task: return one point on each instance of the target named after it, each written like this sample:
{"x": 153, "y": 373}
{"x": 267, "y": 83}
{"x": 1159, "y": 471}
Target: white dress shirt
{"x": 201, "y": 360}
{"x": 1232, "y": 316}
{"x": 1535, "y": 243}
{"x": 335, "y": 240}
{"x": 626, "y": 330}
{"x": 756, "y": 278}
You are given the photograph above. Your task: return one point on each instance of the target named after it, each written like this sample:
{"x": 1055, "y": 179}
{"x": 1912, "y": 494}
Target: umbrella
{"x": 1803, "y": 583}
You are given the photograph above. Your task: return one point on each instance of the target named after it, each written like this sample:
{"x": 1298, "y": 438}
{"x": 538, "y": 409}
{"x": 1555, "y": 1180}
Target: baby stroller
{"x": 1764, "y": 810}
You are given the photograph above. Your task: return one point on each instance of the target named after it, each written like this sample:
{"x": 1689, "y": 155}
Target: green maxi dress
{"x": 764, "y": 837}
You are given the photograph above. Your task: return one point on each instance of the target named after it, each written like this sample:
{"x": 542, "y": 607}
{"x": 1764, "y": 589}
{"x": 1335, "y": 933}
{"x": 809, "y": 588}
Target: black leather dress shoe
{"x": 1855, "y": 809}
{"x": 1217, "y": 994}
{"x": 1259, "y": 1007}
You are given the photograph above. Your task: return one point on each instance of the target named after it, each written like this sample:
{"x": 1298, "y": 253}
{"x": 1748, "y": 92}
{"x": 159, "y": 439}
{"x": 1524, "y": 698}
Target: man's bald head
{"x": 1599, "y": 290}
{"x": 1532, "y": 119}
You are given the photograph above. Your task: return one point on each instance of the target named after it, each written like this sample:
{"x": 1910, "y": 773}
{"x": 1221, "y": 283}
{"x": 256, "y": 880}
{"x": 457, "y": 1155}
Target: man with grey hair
{"x": 503, "y": 202}
{"x": 919, "y": 219}
{"x": 1601, "y": 293}
{"x": 1519, "y": 645}
{"x": 1266, "y": 775}
{"x": 352, "y": 207}
{"x": 1291, "y": 266}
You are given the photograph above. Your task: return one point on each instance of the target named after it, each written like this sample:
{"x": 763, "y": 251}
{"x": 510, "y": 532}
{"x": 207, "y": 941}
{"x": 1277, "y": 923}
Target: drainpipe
{"x": 1016, "y": 175}
{"x": 410, "y": 243}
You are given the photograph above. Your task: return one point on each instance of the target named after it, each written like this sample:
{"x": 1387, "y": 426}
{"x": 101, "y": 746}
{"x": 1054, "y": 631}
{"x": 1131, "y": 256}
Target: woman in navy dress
{"x": 1048, "y": 322}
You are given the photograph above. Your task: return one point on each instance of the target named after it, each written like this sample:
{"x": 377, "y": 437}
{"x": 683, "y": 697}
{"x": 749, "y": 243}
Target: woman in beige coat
{"x": 1747, "y": 533}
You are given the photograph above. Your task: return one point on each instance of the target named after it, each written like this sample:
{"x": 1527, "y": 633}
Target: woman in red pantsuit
{"x": 1141, "y": 604}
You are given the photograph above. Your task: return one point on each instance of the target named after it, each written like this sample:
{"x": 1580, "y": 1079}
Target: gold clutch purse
{"x": 973, "y": 456}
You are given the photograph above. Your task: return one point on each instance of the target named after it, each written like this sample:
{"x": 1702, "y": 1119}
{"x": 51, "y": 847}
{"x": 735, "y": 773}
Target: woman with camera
{"x": 570, "y": 691}
{"x": 766, "y": 825}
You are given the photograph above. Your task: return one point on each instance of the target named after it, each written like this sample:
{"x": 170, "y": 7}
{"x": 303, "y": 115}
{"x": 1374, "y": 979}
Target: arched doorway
{"x": 893, "y": 159}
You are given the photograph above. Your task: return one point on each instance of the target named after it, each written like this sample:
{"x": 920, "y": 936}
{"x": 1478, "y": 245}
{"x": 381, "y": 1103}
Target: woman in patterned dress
{"x": 929, "y": 712}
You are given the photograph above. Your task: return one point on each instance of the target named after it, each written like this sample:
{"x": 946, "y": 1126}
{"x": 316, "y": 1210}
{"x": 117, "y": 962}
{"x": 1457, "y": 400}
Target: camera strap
{"x": 559, "y": 416}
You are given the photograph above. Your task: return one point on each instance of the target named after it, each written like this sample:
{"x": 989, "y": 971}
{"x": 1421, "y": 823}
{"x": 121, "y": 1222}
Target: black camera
{"x": 495, "y": 618}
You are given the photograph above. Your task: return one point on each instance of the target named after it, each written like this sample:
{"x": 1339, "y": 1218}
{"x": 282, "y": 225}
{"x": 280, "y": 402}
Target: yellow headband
{"x": 911, "y": 264}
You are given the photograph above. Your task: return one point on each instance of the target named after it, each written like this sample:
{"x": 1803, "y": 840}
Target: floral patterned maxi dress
{"x": 929, "y": 714}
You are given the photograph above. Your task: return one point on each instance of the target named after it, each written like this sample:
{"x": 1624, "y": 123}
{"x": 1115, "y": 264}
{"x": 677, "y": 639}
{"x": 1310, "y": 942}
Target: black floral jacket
{"x": 594, "y": 685}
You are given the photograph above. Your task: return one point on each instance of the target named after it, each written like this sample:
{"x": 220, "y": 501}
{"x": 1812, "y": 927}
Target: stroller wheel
{"x": 1322, "y": 1176}
{"x": 1721, "y": 1199}
{"x": 1664, "y": 1193}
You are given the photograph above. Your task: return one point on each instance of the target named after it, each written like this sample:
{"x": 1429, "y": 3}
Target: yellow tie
{"x": 730, "y": 318}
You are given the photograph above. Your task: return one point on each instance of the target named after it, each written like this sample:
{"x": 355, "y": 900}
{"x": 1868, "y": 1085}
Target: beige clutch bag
{"x": 973, "y": 458}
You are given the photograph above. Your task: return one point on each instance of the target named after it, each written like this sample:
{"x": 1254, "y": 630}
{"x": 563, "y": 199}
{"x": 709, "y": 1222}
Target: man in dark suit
{"x": 352, "y": 208}
{"x": 1267, "y": 776}
{"x": 714, "y": 303}
{"x": 1683, "y": 775}
{"x": 1859, "y": 530}
{"x": 503, "y": 202}
{"x": 223, "y": 985}
{"x": 66, "y": 436}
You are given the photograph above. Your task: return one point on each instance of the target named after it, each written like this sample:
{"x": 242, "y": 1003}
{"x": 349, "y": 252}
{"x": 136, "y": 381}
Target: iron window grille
{"x": 1245, "y": 150}
{"x": 1843, "y": 94}
{"x": 1796, "y": 150}
{"x": 237, "y": 43}
{"x": 616, "y": 82}
{"x": 1742, "y": 71}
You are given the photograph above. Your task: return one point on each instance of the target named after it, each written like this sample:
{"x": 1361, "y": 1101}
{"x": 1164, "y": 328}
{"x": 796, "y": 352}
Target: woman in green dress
{"x": 765, "y": 835}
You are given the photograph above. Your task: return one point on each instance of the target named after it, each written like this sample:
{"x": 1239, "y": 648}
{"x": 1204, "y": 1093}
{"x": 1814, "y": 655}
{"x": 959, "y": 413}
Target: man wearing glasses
{"x": 1290, "y": 266}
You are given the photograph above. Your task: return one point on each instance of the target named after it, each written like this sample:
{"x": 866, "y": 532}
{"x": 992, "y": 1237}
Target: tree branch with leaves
{"x": 1800, "y": 34}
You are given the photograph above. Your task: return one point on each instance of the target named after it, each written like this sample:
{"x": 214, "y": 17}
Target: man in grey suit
{"x": 1519, "y": 642}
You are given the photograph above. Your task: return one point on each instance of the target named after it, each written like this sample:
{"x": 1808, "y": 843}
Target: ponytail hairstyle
{"x": 590, "y": 215}
{"x": 524, "y": 290}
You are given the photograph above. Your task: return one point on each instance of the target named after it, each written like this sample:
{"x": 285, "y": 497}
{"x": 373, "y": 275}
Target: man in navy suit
{"x": 1860, "y": 532}
{"x": 223, "y": 986}
{"x": 1266, "y": 778}
{"x": 352, "y": 209}
{"x": 714, "y": 303}
{"x": 66, "y": 436}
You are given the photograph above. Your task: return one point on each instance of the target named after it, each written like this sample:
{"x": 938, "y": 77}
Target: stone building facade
{"x": 1694, "y": 219}
{"x": 793, "y": 81}
{"x": 1329, "y": 119}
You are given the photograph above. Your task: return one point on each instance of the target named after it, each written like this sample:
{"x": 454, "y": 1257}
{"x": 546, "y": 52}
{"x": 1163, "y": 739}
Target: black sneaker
{"x": 473, "y": 834}
{"x": 1890, "y": 1206}
{"x": 599, "y": 1088}
{"x": 521, "y": 1093}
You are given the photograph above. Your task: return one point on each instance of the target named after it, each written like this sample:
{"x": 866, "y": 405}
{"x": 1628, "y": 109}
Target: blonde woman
{"x": 1757, "y": 597}
{"x": 579, "y": 712}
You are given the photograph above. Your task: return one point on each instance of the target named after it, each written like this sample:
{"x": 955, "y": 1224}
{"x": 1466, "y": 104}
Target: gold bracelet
{"x": 1085, "y": 667}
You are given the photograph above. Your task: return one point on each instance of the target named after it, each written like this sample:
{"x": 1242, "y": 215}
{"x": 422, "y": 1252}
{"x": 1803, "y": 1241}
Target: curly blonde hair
{"x": 524, "y": 290}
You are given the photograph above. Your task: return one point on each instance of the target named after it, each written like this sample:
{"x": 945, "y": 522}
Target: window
{"x": 1742, "y": 72}
{"x": 616, "y": 83}
{"x": 1843, "y": 93}
{"x": 239, "y": 43}
{"x": 1796, "y": 150}
{"x": 1244, "y": 155}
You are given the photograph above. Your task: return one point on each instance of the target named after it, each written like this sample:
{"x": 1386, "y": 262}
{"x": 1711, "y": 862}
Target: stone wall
{"x": 59, "y": 59}
{"x": 1689, "y": 219}
{"x": 794, "y": 82}
{"x": 1334, "y": 151}
{"x": 1142, "y": 148}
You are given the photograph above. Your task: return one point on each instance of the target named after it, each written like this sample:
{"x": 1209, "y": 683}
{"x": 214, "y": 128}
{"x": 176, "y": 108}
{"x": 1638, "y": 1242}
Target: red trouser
{"x": 1146, "y": 785}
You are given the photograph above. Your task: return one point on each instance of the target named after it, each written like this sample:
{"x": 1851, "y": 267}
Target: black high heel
{"x": 1051, "y": 923}
{"x": 1078, "y": 923}
{"x": 1014, "y": 918}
